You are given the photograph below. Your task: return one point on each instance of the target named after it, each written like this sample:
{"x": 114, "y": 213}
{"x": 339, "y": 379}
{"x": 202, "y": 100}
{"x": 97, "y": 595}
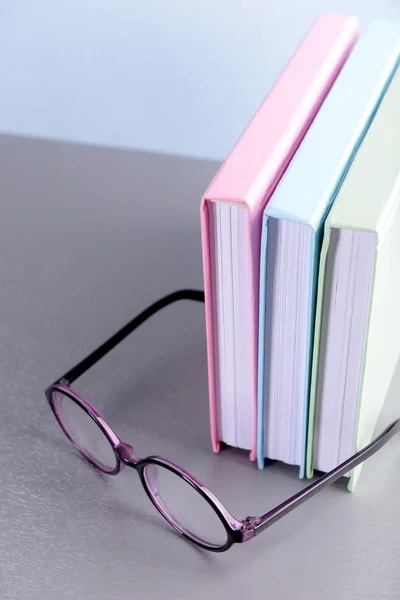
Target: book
{"x": 357, "y": 331}
{"x": 291, "y": 242}
{"x": 231, "y": 214}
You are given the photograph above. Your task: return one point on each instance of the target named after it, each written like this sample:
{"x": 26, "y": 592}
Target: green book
{"x": 357, "y": 327}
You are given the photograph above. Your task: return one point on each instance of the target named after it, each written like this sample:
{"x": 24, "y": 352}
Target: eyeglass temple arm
{"x": 96, "y": 355}
{"x": 286, "y": 507}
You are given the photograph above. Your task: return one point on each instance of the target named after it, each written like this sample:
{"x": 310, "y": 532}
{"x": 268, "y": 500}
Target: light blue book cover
{"x": 310, "y": 184}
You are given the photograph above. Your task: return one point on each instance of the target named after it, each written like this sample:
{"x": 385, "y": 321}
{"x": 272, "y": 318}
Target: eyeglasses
{"x": 188, "y": 505}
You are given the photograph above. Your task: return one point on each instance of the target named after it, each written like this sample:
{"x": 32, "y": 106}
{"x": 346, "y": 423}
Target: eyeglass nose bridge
{"x": 126, "y": 454}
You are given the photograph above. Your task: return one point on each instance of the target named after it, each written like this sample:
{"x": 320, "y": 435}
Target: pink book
{"x": 231, "y": 216}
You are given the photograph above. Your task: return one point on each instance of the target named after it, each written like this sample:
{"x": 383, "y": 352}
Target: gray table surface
{"x": 88, "y": 237}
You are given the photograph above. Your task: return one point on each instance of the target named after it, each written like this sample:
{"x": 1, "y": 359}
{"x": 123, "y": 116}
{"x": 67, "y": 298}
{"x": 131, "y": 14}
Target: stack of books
{"x": 301, "y": 245}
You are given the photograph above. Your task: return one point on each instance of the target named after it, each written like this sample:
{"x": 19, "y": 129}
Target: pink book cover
{"x": 258, "y": 160}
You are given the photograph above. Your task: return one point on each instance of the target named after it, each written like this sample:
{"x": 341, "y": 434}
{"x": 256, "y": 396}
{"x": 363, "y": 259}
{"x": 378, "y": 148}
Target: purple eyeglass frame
{"x": 237, "y": 531}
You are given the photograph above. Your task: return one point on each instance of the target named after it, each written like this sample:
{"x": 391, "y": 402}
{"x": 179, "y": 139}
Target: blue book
{"x": 291, "y": 242}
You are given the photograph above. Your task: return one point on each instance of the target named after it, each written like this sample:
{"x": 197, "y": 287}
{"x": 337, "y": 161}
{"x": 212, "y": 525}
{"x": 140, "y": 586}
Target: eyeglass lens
{"x": 184, "y": 505}
{"x": 84, "y": 432}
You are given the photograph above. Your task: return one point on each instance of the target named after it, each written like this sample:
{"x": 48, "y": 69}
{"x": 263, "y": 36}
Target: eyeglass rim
{"x": 98, "y": 419}
{"x": 232, "y": 526}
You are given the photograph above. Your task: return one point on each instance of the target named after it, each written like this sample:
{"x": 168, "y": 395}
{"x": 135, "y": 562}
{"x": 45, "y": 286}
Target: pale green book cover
{"x": 369, "y": 201}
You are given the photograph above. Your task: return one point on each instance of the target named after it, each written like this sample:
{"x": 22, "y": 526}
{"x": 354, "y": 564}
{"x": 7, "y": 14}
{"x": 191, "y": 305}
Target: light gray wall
{"x": 177, "y": 76}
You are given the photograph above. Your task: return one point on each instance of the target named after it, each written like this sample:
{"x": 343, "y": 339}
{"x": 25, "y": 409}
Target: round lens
{"x": 84, "y": 432}
{"x": 184, "y": 507}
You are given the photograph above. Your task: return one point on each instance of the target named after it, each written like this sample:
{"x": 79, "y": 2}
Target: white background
{"x": 177, "y": 76}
